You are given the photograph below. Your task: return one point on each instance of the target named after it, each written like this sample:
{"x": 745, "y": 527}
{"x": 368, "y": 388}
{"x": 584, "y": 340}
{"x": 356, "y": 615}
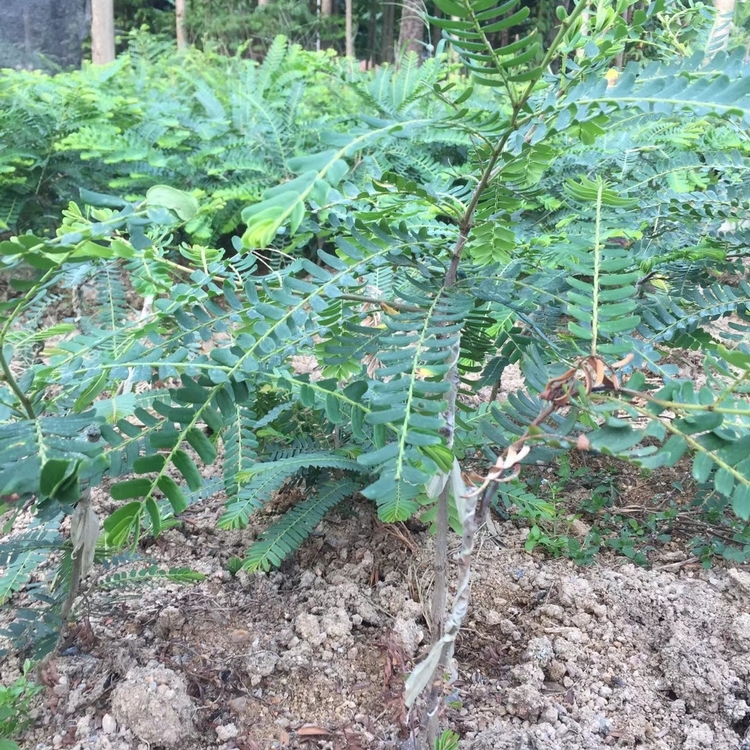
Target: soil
{"x": 314, "y": 655}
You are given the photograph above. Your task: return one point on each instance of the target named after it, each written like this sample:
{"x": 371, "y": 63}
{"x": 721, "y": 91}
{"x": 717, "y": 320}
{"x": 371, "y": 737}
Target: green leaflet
{"x": 285, "y": 536}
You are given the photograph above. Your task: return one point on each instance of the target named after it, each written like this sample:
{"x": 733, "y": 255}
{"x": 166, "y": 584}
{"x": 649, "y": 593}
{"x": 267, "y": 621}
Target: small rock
{"x": 262, "y": 663}
{"x": 493, "y": 617}
{"x": 741, "y": 578}
{"x": 162, "y": 718}
{"x": 225, "y": 732}
{"x": 550, "y": 715}
{"x": 698, "y": 736}
{"x": 298, "y": 657}
{"x": 582, "y": 620}
{"x": 336, "y": 623}
{"x": 741, "y": 630}
{"x": 239, "y": 635}
{"x": 553, "y": 611}
{"x": 367, "y": 612}
{"x": 525, "y": 702}
{"x": 408, "y": 634}
{"x": 170, "y": 619}
{"x": 556, "y": 670}
{"x": 239, "y": 705}
{"x": 61, "y": 689}
{"x": 396, "y": 600}
{"x": 527, "y": 673}
{"x": 307, "y": 580}
{"x": 579, "y": 528}
{"x": 83, "y": 727}
{"x": 540, "y": 651}
{"x": 574, "y": 592}
{"x": 307, "y": 626}
{"x": 601, "y": 725}
{"x": 109, "y": 725}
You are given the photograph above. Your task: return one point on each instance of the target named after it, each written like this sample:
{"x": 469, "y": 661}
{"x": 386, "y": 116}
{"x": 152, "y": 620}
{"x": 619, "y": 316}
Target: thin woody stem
{"x": 451, "y": 625}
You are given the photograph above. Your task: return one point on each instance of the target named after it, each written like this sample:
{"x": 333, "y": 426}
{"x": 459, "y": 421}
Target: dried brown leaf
{"x": 313, "y": 730}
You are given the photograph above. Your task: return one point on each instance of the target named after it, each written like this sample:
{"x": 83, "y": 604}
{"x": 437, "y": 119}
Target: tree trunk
{"x": 261, "y": 3}
{"x": 412, "y": 27}
{"x": 388, "y": 23}
{"x": 436, "y": 33}
{"x": 584, "y": 32}
{"x": 620, "y": 57}
{"x": 349, "y": 28}
{"x": 27, "y": 45}
{"x": 102, "y": 31}
{"x": 718, "y": 39}
{"x": 372, "y": 33}
{"x": 326, "y": 7}
{"x": 179, "y": 15}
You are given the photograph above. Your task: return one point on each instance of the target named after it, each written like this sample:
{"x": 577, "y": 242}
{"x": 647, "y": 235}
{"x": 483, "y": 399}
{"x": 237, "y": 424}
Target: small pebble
{"x": 225, "y": 732}
{"x": 109, "y": 725}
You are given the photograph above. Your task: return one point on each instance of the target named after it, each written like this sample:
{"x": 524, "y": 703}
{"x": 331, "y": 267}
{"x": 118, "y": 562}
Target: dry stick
{"x": 472, "y": 512}
{"x": 475, "y": 514}
{"x": 77, "y": 557}
{"x": 439, "y": 601}
{"x": 126, "y": 386}
{"x": 440, "y": 590}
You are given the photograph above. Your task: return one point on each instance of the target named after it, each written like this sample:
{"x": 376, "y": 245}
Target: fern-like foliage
{"x": 287, "y": 534}
{"x": 141, "y": 576}
{"x": 261, "y": 480}
{"x": 49, "y": 455}
{"x": 387, "y": 265}
{"x": 22, "y": 554}
{"x": 408, "y": 397}
{"x": 471, "y": 25}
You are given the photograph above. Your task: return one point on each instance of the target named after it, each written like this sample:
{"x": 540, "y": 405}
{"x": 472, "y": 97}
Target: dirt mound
{"x": 602, "y": 657}
{"x": 314, "y": 655}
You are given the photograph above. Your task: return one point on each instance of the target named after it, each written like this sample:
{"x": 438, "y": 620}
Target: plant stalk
{"x": 13, "y": 385}
{"x": 446, "y": 629}
{"x": 475, "y": 515}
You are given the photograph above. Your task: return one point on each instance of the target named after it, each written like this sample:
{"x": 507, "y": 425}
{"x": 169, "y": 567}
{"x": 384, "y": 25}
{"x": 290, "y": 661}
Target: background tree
{"x": 102, "y": 31}
{"x": 721, "y": 30}
{"x": 372, "y": 31}
{"x": 179, "y": 12}
{"x": 157, "y": 15}
{"x": 349, "y": 28}
{"x": 389, "y": 14}
{"x": 411, "y": 29}
{"x": 46, "y": 35}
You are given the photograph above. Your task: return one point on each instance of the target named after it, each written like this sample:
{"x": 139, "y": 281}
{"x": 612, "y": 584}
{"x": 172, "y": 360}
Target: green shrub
{"x": 15, "y": 702}
{"x": 577, "y": 233}
{"x": 223, "y": 128}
